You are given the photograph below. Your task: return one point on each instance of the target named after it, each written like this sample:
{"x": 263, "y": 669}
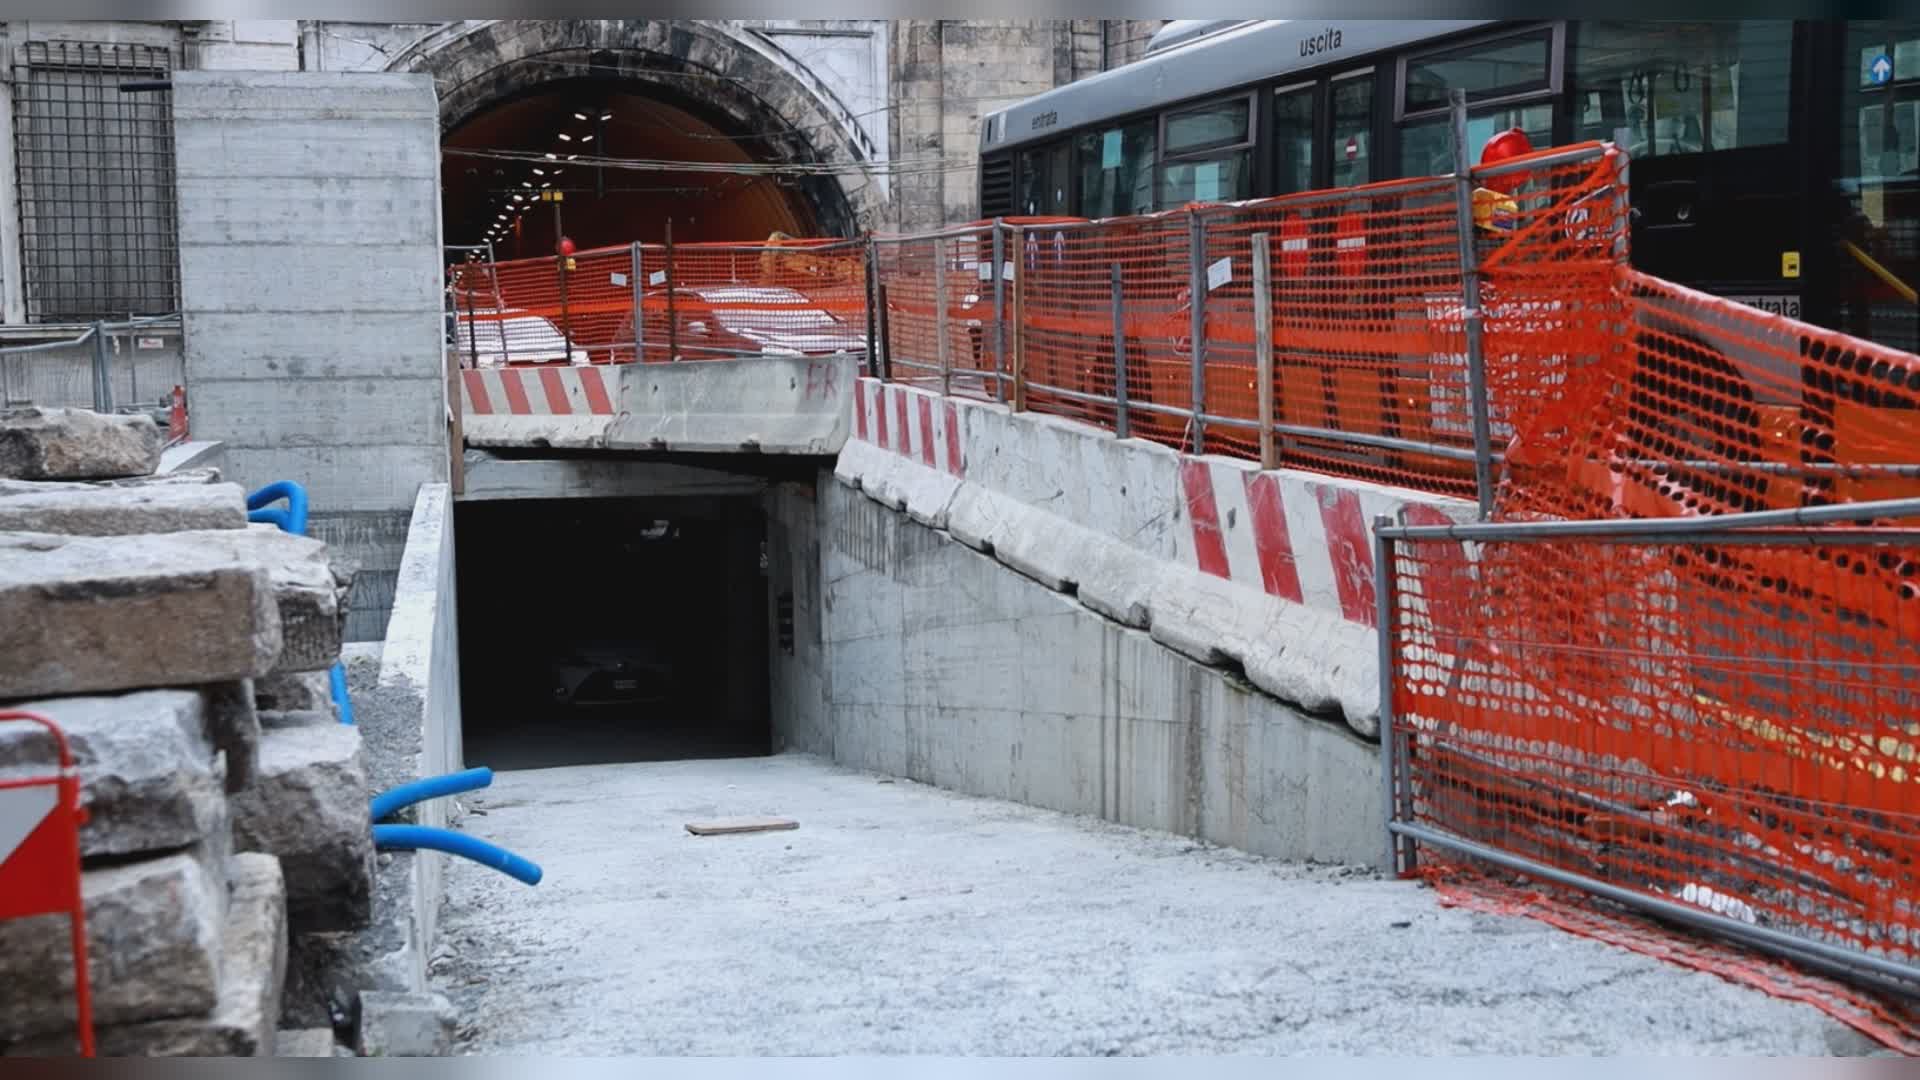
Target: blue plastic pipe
{"x": 388, "y": 803}
{"x": 412, "y": 837}
{"x": 293, "y": 519}
{"x": 338, "y": 678}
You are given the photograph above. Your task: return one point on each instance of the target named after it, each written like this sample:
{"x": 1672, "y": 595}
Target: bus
{"x": 1774, "y": 162}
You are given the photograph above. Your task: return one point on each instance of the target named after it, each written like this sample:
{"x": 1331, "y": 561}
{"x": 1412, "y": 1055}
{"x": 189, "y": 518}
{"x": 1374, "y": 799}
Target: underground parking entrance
{"x": 597, "y": 630}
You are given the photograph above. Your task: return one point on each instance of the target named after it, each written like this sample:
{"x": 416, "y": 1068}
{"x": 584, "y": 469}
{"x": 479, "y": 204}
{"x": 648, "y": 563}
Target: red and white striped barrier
{"x": 559, "y": 390}
{"x": 916, "y": 424}
{"x": 1306, "y": 540}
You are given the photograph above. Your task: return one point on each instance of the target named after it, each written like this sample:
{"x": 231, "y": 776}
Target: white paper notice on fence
{"x": 617, "y": 278}
{"x": 1219, "y": 273}
{"x": 657, "y": 277}
{"x": 985, "y": 270}
{"x": 148, "y": 343}
{"x": 1206, "y": 181}
{"x": 1110, "y": 150}
{"x": 1006, "y": 270}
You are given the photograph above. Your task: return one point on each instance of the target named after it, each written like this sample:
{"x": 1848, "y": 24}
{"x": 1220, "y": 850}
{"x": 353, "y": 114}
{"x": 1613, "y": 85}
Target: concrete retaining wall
{"x": 916, "y": 656}
{"x": 770, "y": 404}
{"x": 1269, "y": 571}
{"x": 310, "y": 269}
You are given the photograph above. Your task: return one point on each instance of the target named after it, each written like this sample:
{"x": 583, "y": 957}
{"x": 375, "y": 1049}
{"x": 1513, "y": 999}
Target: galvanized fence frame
{"x": 100, "y": 361}
{"x": 1405, "y": 835}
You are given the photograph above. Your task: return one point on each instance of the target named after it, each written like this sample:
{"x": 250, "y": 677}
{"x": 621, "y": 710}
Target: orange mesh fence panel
{"x": 729, "y": 301}
{"x": 716, "y": 301}
{"x": 1692, "y": 404}
{"x": 905, "y": 267}
{"x": 941, "y": 287}
{"x": 1362, "y": 280}
{"x": 1729, "y": 722}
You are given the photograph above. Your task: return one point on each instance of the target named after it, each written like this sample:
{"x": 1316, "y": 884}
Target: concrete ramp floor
{"x": 900, "y": 919}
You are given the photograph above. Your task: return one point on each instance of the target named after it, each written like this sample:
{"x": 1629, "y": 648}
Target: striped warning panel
{"x": 920, "y": 426}
{"x": 554, "y": 390}
{"x": 1308, "y": 540}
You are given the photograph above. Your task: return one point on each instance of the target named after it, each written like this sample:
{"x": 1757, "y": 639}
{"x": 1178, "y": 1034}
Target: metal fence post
{"x": 639, "y": 304}
{"x": 1470, "y": 304}
{"x": 473, "y": 329}
{"x": 1400, "y": 853}
{"x": 873, "y": 307}
{"x": 102, "y": 371}
{"x": 940, "y": 314}
{"x": 1263, "y": 345}
{"x": 1197, "y": 289}
{"x": 673, "y": 311}
{"x": 999, "y": 308}
{"x": 1121, "y": 425}
{"x": 1019, "y": 321}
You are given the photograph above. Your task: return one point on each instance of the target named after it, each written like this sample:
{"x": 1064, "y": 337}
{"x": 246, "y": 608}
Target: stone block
{"x": 253, "y": 964}
{"x": 112, "y": 511}
{"x": 147, "y": 770}
{"x": 404, "y": 1025}
{"x": 304, "y": 1042}
{"x": 153, "y": 933}
{"x": 82, "y": 615}
{"x": 302, "y": 691}
{"x": 308, "y": 805}
{"x": 310, "y": 588}
{"x": 233, "y": 723}
{"x": 76, "y": 444}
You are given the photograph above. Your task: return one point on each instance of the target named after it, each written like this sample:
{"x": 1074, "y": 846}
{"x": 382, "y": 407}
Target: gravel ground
{"x": 900, "y": 919}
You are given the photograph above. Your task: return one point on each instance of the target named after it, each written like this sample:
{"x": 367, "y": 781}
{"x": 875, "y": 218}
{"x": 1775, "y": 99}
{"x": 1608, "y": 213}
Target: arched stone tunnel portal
{"x": 527, "y": 105}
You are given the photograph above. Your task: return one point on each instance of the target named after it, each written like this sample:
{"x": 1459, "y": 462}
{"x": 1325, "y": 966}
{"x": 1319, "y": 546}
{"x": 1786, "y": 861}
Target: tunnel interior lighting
{"x": 564, "y": 137}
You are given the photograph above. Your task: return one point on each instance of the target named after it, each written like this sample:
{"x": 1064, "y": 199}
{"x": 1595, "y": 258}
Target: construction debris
{"x": 725, "y": 826}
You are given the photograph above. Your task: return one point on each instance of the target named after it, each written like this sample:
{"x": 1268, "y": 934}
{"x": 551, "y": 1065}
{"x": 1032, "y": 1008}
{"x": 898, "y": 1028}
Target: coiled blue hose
{"x": 412, "y": 837}
{"x": 293, "y": 519}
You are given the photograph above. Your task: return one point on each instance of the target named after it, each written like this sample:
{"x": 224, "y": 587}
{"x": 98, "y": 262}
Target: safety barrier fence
{"x": 660, "y": 302}
{"x": 1713, "y": 718}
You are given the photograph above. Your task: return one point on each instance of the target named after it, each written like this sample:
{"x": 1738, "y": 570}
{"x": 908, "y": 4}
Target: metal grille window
{"x": 98, "y": 232}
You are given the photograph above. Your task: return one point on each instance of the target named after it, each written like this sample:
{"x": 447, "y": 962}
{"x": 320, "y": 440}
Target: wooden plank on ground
{"x": 724, "y": 826}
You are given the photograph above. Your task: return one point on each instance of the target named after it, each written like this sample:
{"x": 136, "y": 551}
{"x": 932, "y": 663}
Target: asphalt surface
{"x": 900, "y": 919}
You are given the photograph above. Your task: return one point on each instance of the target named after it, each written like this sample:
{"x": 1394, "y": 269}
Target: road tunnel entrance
{"x": 635, "y": 123}
{"x": 614, "y": 629}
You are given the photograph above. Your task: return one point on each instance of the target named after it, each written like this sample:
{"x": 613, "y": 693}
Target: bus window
{"x": 1348, "y": 148}
{"x": 1116, "y": 170}
{"x": 1426, "y": 147}
{"x": 1879, "y": 241}
{"x": 1502, "y": 67}
{"x": 1293, "y": 134}
{"x": 1682, "y": 87}
{"x": 1041, "y": 188}
{"x": 1206, "y": 153}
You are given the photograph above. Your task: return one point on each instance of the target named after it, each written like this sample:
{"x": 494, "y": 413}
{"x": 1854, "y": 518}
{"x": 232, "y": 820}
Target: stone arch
{"x": 739, "y": 76}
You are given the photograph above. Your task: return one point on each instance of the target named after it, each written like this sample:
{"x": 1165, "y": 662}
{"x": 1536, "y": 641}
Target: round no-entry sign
{"x": 1353, "y": 147}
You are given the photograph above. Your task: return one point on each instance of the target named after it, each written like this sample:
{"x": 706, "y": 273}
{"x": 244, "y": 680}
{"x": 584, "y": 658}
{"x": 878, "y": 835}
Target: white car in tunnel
{"x": 490, "y": 337}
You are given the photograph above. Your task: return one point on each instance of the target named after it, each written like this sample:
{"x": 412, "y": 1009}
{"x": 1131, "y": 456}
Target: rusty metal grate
{"x": 99, "y": 237}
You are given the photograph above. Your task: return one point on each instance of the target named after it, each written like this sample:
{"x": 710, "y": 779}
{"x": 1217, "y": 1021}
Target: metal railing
{"x": 88, "y": 370}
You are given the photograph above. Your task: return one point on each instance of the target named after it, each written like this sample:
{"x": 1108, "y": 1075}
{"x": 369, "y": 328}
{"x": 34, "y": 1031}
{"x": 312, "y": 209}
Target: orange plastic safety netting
{"x": 1729, "y": 721}
{"x": 695, "y": 302}
{"x": 1705, "y": 406}
{"x": 939, "y": 316}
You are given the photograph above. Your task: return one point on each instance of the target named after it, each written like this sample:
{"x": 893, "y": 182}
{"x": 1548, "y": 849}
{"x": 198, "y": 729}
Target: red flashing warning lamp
{"x": 566, "y": 246}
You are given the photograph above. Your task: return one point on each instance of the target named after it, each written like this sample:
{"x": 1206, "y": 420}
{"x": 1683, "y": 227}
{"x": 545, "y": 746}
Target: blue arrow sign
{"x": 1881, "y": 70}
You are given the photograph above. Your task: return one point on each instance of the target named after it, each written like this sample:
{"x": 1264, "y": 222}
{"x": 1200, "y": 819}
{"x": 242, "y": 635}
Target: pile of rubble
{"x": 185, "y": 654}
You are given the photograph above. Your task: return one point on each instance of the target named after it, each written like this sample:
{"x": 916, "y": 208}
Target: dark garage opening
{"x": 607, "y": 630}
